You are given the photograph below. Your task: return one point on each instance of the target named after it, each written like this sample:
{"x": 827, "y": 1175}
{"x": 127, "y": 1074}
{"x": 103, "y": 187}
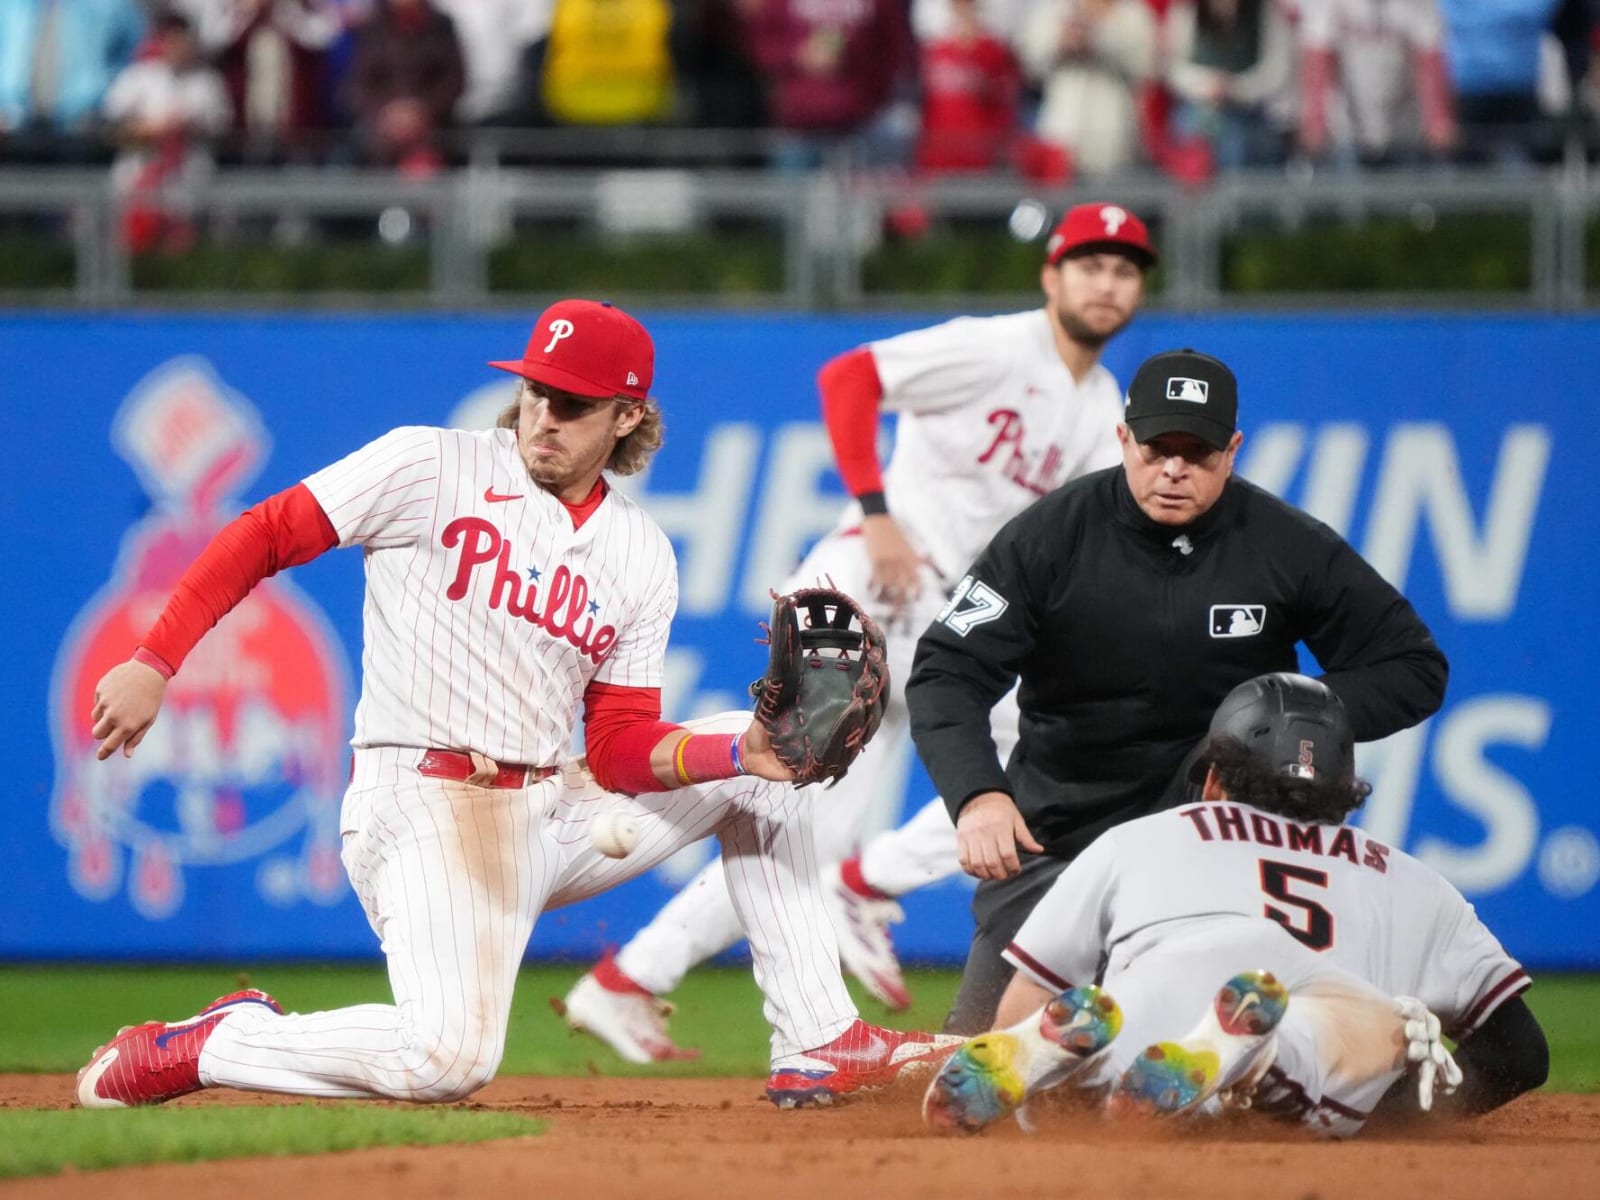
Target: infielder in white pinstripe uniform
{"x": 508, "y": 586}
{"x": 991, "y": 414}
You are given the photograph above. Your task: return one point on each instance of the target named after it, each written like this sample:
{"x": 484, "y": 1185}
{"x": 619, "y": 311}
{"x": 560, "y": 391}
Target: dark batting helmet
{"x": 1292, "y": 723}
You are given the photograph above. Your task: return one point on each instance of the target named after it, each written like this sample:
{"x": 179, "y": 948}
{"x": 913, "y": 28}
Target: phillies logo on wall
{"x": 244, "y": 768}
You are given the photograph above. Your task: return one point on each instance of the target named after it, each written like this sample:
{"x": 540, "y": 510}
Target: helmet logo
{"x": 1306, "y": 768}
{"x": 559, "y": 328}
{"x": 1113, "y": 218}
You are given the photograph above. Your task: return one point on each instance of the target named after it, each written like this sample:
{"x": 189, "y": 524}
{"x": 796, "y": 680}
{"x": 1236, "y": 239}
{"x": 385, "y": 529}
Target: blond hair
{"x": 631, "y": 453}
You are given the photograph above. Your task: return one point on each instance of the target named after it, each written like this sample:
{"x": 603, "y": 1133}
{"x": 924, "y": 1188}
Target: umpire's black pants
{"x": 999, "y": 907}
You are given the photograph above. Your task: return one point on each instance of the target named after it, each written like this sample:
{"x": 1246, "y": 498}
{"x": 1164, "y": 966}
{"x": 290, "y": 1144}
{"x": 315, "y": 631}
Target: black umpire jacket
{"x": 1127, "y": 634}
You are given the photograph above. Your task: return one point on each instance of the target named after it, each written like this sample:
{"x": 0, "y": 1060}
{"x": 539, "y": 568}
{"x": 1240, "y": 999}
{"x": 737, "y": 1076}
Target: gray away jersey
{"x": 1358, "y": 904}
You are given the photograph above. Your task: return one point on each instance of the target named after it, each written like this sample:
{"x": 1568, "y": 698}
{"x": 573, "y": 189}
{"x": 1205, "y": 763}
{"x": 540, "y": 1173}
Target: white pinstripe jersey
{"x": 990, "y": 419}
{"x": 1362, "y": 907}
{"x": 487, "y": 614}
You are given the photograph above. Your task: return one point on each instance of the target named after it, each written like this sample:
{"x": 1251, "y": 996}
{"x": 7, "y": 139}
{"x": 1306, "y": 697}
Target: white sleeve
{"x": 125, "y": 93}
{"x": 941, "y": 367}
{"x": 1465, "y": 972}
{"x": 385, "y": 493}
{"x": 1061, "y": 943}
{"x": 638, "y": 659}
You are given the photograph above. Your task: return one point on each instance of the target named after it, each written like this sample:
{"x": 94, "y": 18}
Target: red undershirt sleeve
{"x": 621, "y": 726}
{"x": 282, "y": 531}
{"x": 851, "y": 396}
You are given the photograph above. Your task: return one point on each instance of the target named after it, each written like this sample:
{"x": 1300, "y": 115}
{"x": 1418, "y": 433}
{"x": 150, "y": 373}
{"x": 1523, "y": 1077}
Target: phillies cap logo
{"x": 559, "y": 328}
{"x": 244, "y": 771}
{"x": 1113, "y": 218}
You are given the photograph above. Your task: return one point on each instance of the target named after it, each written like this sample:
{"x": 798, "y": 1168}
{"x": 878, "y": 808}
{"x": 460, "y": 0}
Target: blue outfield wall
{"x": 1452, "y": 451}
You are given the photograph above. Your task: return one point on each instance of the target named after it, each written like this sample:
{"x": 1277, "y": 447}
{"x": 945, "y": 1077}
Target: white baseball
{"x": 614, "y": 833}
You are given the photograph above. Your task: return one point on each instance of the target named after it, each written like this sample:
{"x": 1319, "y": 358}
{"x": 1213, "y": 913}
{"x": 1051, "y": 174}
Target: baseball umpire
{"x": 1129, "y": 602}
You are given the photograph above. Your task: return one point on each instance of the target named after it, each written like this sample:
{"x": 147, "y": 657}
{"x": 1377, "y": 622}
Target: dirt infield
{"x": 700, "y": 1138}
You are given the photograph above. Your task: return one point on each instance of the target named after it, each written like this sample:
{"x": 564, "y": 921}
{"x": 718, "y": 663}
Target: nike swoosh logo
{"x": 174, "y": 1030}
{"x": 494, "y": 497}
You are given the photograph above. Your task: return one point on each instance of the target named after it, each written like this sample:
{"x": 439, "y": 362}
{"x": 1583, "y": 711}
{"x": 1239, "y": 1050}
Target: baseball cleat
{"x": 158, "y": 1061}
{"x": 608, "y": 1005}
{"x": 862, "y": 1058}
{"x": 1231, "y": 1046}
{"x": 995, "y": 1073}
{"x": 866, "y": 947}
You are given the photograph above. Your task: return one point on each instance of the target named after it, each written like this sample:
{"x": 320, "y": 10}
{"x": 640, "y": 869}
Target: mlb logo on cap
{"x": 1183, "y": 391}
{"x": 588, "y": 348}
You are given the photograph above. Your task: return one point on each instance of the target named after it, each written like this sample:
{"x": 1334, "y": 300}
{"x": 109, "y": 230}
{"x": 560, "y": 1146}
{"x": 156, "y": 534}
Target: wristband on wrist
{"x": 703, "y": 757}
{"x": 680, "y": 768}
{"x": 873, "y": 504}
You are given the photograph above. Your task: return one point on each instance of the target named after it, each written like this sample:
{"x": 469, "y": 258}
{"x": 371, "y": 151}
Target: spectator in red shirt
{"x": 970, "y": 87}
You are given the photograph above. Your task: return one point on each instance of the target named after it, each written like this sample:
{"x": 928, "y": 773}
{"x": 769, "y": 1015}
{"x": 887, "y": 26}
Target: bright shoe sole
{"x": 1169, "y": 1078}
{"x": 993, "y": 1074}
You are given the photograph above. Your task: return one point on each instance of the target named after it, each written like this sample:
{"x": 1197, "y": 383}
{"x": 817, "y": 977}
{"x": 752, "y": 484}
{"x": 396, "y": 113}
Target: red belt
{"x": 457, "y": 765}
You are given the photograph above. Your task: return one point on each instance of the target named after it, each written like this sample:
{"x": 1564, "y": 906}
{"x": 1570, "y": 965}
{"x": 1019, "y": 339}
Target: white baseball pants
{"x": 452, "y": 878}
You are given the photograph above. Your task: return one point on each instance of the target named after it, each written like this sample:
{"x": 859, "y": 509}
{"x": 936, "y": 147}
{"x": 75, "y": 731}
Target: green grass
{"x": 38, "y": 1142}
{"x": 54, "y": 1016}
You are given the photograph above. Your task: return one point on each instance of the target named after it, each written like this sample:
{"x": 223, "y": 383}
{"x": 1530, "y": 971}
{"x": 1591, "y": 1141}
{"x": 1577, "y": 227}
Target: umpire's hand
{"x": 988, "y": 832}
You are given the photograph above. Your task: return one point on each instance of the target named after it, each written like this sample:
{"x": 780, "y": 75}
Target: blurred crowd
{"x": 1050, "y": 89}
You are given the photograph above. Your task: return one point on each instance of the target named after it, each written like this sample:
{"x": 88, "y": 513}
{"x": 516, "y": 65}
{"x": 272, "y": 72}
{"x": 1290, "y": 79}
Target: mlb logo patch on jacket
{"x": 1237, "y": 620}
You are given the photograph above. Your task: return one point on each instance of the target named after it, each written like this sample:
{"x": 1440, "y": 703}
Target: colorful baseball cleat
{"x": 1232, "y": 1044}
{"x": 994, "y": 1074}
{"x": 866, "y": 947}
{"x": 630, "y": 1019}
{"x": 158, "y": 1061}
{"x": 862, "y": 1058}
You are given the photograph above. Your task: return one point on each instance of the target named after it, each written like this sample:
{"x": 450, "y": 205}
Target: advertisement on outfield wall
{"x": 1451, "y": 451}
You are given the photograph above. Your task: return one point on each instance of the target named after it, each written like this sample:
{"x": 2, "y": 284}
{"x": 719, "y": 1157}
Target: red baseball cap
{"x": 589, "y": 348}
{"x": 1101, "y": 227}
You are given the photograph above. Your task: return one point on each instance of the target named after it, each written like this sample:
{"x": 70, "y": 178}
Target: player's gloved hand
{"x": 758, "y": 756}
{"x": 896, "y": 565}
{"x": 126, "y": 701}
{"x": 988, "y": 832}
{"x": 1436, "y": 1069}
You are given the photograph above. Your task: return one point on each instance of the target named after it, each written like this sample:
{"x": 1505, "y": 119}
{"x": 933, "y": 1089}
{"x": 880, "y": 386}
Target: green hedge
{"x": 1485, "y": 254}
{"x": 1480, "y": 253}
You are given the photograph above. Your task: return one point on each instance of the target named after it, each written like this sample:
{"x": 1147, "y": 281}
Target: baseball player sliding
{"x": 1370, "y": 956}
{"x": 508, "y": 586}
{"x": 992, "y": 413}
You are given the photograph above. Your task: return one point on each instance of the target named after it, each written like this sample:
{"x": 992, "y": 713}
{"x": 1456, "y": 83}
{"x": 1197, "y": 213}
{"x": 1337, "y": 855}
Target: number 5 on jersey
{"x": 983, "y": 604}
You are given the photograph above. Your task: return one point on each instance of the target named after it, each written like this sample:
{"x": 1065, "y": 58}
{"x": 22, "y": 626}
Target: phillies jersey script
{"x": 989, "y": 420}
{"x": 482, "y": 595}
{"x": 1359, "y": 905}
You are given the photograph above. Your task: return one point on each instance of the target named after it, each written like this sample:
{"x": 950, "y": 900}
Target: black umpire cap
{"x": 1294, "y": 724}
{"x": 1183, "y": 391}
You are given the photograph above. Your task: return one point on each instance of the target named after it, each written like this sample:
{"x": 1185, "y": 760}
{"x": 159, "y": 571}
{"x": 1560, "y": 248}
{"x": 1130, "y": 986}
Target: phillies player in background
{"x": 993, "y": 412}
{"x": 508, "y": 587}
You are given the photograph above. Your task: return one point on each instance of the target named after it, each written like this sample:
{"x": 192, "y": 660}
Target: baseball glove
{"x": 827, "y": 682}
